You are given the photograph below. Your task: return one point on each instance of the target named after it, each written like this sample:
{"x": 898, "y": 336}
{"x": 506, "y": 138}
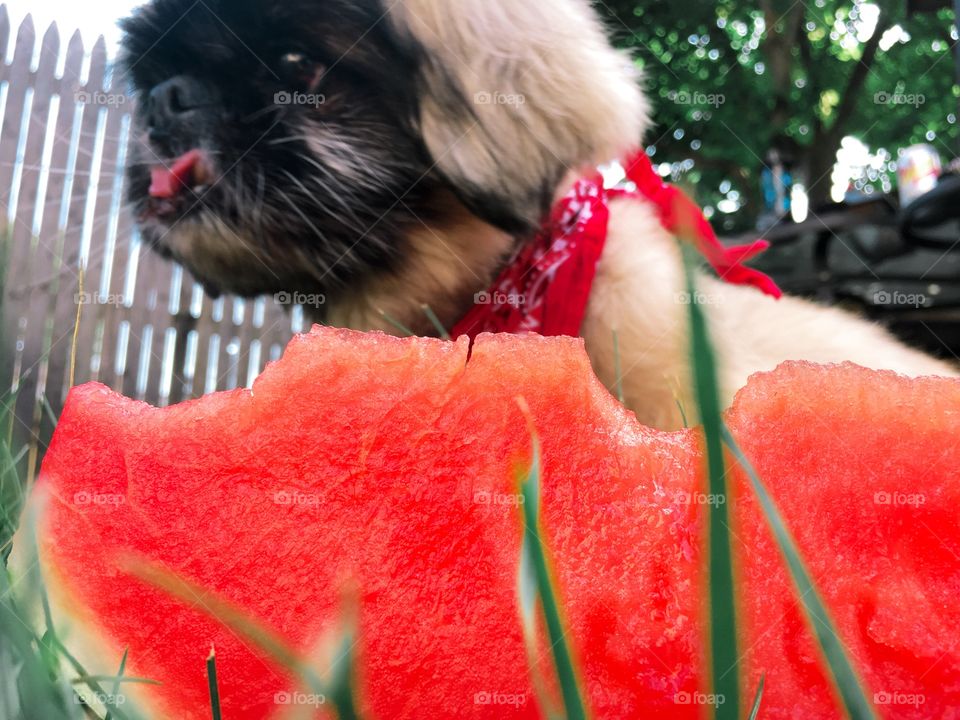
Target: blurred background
{"x": 92, "y": 19}
{"x": 828, "y": 127}
{"x": 827, "y": 92}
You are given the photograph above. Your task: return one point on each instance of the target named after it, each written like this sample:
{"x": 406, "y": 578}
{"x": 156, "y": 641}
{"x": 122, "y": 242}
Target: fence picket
{"x": 56, "y": 219}
{"x": 30, "y": 266}
{"x": 4, "y": 34}
{"x": 61, "y": 192}
{"x": 17, "y": 75}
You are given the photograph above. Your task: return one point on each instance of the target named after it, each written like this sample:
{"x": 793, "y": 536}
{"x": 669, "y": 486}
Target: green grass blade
{"x": 213, "y": 686}
{"x": 528, "y": 596}
{"x": 618, "y": 365}
{"x": 841, "y": 668}
{"x": 228, "y": 614}
{"x": 755, "y": 710}
{"x": 12, "y": 498}
{"x": 7, "y": 409}
{"x": 116, "y": 684}
{"x": 117, "y": 680}
{"x": 435, "y": 321}
{"x": 48, "y": 410}
{"x": 90, "y": 681}
{"x": 724, "y": 653}
{"x": 12, "y": 494}
{"x": 342, "y": 683}
{"x": 27, "y": 686}
{"x": 534, "y": 556}
{"x": 407, "y": 332}
{"x": 339, "y": 690}
{"x": 41, "y": 657}
{"x": 677, "y": 398}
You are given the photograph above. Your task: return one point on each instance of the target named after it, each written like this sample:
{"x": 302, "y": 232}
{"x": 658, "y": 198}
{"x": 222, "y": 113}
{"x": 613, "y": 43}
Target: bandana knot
{"x": 546, "y": 286}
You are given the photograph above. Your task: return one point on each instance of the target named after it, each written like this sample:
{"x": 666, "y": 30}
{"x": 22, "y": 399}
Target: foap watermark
{"x": 100, "y": 99}
{"x": 901, "y": 299}
{"x": 898, "y": 98}
{"x": 514, "y": 300}
{"x": 88, "y": 697}
{"x": 497, "y": 698}
{"x": 87, "y": 498}
{"x": 899, "y": 499}
{"x": 295, "y": 498}
{"x": 285, "y": 99}
{"x": 699, "y": 498}
{"x": 697, "y": 99}
{"x": 914, "y": 700}
{"x": 698, "y": 698}
{"x": 87, "y": 298}
{"x": 299, "y": 698}
{"x": 299, "y": 298}
{"x": 485, "y": 497}
{"x": 499, "y": 98}
{"x": 698, "y": 298}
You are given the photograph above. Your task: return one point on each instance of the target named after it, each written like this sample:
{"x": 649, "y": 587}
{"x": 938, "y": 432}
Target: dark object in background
{"x": 921, "y": 6}
{"x": 933, "y": 220}
{"x": 898, "y": 266}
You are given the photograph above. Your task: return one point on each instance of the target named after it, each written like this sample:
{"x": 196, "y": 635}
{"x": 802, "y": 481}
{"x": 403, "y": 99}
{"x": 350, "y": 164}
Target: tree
{"x": 732, "y": 81}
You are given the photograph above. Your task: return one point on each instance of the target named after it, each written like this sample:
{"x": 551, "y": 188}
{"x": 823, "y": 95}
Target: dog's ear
{"x": 514, "y": 94}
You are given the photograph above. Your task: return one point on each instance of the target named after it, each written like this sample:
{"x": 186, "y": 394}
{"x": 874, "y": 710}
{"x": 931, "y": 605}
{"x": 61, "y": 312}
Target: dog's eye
{"x": 300, "y": 70}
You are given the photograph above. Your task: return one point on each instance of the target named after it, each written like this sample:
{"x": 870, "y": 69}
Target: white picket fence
{"x": 145, "y": 328}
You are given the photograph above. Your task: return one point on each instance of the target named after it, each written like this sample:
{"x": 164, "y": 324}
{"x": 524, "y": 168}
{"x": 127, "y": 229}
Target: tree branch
{"x": 778, "y": 50}
{"x": 858, "y": 79}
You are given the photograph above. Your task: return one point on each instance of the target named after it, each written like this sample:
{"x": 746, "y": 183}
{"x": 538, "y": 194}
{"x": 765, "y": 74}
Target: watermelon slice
{"x": 388, "y": 465}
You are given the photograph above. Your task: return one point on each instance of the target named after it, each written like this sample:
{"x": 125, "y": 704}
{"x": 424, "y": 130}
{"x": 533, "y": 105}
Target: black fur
{"x": 312, "y": 219}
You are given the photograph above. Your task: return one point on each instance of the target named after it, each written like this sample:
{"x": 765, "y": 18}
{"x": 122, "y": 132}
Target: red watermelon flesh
{"x": 389, "y": 464}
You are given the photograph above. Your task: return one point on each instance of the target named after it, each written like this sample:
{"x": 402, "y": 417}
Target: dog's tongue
{"x": 166, "y": 183}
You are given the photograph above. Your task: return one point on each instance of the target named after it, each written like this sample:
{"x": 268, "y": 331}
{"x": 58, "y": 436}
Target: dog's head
{"x": 299, "y": 145}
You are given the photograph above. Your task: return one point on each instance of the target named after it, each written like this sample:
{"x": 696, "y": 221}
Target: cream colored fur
{"x": 582, "y": 106}
{"x": 559, "y": 95}
{"x": 640, "y": 293}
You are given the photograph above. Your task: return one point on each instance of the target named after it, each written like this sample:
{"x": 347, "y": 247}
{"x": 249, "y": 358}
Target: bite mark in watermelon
{"x": 390, "y": 464}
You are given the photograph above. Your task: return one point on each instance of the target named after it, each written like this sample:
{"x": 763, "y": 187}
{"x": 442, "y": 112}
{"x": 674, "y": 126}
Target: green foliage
{"x": 758, "y": 699}
{"x": 537, "y": 588}
{"x": 336, "y": 685}
{"x": 39, "y": 676}
{"x": 732, "y": 80}
{"x": 725, "y": 660}
{"x": 724, "y": 650}
{"x": 214, "y": 687}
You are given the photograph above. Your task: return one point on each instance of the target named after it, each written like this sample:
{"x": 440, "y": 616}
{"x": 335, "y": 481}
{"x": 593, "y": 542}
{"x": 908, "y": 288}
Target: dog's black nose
{"x": 174, "y": 103}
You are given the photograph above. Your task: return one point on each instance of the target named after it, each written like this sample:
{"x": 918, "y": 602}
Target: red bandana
{"x": 545, "y": 289}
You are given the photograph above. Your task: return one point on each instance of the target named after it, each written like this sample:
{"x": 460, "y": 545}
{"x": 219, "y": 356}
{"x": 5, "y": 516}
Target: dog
{"x": 394, "y": 154}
